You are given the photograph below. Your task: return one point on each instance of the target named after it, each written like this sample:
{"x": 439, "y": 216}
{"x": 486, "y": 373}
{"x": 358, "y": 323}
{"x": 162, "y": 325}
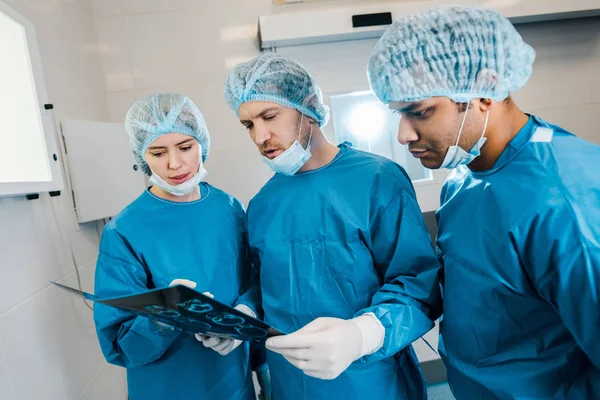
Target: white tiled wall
{"x": 48, "y": 348}
{"x": 565, "y": 86}
{"x": 190, "y": 46}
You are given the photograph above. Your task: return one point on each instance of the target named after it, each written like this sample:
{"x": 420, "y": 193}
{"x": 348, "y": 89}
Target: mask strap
{"x": 300, "y": 132}
{"x": 309, "y": 136}
{"x": 487, "y": 117}
{"x": 462, "y": 124}
{"x": 300, "y": 128}
{"x": 200, "y": 155}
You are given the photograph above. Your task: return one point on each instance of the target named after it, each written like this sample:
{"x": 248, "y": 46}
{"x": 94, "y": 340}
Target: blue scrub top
{"x": 520, "y": 246}
{"x": 150, "y": 243}
{"x": 341, "y": 241}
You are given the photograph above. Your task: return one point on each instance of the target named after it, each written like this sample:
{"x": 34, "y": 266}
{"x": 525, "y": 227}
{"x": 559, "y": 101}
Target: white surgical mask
{"x": 291, "y": 160}
{"x": 456, "y": 156}
{"x": 186, "y": 187}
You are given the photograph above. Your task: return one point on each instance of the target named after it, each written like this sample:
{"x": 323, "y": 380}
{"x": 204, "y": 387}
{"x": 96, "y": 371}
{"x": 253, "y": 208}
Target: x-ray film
{"x": 184, "y": 308}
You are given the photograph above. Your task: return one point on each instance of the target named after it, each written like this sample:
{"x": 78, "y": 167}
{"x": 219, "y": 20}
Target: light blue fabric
{"x": 150, "y": 243}
{"x": 520, "y": 246}
{"x": 457, "y": 52}
{"x": 277, "y": 79}
{"x": 158, "y": 114}
{"x": 341, "y": 241}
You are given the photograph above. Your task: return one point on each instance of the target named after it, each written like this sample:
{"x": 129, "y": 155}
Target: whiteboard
{"x": 102, "y": 171}
{"x": 30, "y": 161}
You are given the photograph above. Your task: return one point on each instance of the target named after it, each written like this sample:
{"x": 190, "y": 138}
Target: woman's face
{"x": 174, "y": 157}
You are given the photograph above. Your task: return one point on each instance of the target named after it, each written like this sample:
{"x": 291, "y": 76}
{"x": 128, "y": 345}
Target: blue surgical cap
{"x": 159, "y": 114}
{"x": 277, "y": 79}
{"x": 461, "y": 53}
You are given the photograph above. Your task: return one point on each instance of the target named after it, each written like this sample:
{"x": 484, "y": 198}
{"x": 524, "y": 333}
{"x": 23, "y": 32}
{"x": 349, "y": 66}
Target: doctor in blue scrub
{"x": 345, "y": 262}
{"x": 519, "y": 223}
{"x": 179, "y": 231}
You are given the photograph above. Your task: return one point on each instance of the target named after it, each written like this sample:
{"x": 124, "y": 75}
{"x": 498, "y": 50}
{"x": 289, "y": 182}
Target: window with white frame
{"x": 359, "y": 118}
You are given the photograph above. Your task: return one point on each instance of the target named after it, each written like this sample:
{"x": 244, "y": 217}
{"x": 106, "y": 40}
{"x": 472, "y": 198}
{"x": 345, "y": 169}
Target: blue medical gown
{"x": 520, "y": 246}
{"x": 150, "y": 243}
{"x": 341, "y": 241}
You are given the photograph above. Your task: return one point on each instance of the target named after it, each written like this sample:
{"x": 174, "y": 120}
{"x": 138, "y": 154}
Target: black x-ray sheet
{"x": 184, "y": 308}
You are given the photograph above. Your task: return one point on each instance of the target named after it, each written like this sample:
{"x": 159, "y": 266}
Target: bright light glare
{"x": 367, "y": 121}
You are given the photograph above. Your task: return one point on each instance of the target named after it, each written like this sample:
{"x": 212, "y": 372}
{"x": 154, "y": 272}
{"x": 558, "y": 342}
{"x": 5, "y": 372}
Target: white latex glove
{"x": 183, "y": 282}
{"x": 190, "y": 284}
{"x": 221, "y": 345}
{"x": 327, "y": 346}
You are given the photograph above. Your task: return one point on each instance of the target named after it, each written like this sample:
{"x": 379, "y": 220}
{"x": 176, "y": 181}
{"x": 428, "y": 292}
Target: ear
{"x": 485, "y": 105}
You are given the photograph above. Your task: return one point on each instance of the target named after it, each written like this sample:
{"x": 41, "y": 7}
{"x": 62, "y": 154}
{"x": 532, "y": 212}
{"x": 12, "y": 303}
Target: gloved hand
{"x": 264, "y": 381}
{"x": 221, "y": 345}
{"x": 327, "y": 346}
{"x": 183, "y": 282}
{"x": 190, "y": 284}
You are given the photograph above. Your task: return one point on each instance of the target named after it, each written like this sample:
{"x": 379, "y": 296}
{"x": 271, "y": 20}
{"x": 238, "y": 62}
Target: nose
{"x": 406, "y": 132}
{"x": 261, "y": 134}
{"x": 174, "y": 160}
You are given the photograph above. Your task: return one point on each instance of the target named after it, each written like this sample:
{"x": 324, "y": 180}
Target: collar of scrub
{"x": 204, "y": 192}
{"x": 344, "y": 147}
{"x": 516, "y": 145}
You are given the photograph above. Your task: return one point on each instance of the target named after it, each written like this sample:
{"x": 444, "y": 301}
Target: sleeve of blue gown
{"x": 561, "y": 252}
{"x": 251, "y": 295}
{"x": 409, "y": 301}
{"x": 126, "y": 340}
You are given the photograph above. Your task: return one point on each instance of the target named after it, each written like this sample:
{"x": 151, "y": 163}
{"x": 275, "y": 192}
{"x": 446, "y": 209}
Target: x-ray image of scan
{"x": 188, "y": 310}
{"x": 226, "y": 319}
{"x": 195, "y": 306}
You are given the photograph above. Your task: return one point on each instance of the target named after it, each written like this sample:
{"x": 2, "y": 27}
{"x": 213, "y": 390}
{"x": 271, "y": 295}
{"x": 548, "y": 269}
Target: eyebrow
{"x": 411, "y": 107}
{"x": 164, "y": 147}
{"x": 261, "y": 114}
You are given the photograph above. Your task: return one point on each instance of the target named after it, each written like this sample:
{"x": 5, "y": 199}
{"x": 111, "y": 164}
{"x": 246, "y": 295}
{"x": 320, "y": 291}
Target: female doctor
{"x": 179, "y": 231}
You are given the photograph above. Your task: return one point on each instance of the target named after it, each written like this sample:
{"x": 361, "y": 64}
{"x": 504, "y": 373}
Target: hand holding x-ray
{"x": 221, "y": 345}
{"x": 327, "y": 346}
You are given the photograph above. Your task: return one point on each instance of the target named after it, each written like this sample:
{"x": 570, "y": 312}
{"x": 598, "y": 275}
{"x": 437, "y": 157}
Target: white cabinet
{"x": 102, "y": 171}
